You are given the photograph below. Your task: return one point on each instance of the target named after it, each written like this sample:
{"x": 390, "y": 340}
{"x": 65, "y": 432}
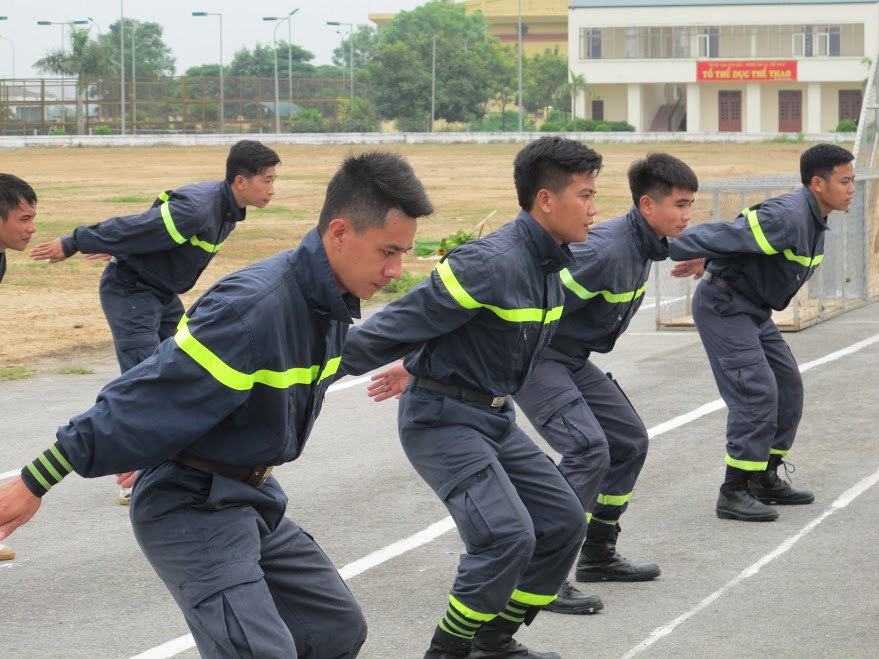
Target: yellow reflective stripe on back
{"x": 613, "y": 499}
{"x": 746, "y": 465}
{"x": 789, "y": 254}
{"x": 176, "y": 235}
{"x": 532, "y": 599}
{"x": 470, "y": 613}
{"x": 759, "y": 236}
{"x": 462, "y": 297}
{"x": 235, "y": 379}
{"x": 613, "y": 298}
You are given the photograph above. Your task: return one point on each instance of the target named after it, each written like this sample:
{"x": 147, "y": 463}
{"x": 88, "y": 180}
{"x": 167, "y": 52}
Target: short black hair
{"x": 549, "y": 162}
{"x": 249, "y": 158}
{"x": 13, "y": 191}
{"x": 821, "y": 160}
{"x": 367, "y": 186}
{"x": 658, "y": 175}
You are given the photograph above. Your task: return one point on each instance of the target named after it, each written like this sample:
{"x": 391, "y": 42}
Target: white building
{"x": 722, "y": 65}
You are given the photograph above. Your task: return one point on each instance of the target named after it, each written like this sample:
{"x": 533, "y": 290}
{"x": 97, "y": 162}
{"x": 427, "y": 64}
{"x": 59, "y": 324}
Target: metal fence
{"x": 187, "y": 104}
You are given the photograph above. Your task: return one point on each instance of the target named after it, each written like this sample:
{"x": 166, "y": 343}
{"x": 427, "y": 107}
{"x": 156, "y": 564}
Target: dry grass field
{"x": 50, "y": 315}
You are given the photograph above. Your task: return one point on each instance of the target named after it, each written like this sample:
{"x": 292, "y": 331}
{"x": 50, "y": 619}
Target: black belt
{"x": 459, "y": 392}
{"x": 255, "y": 476}
{"x": 720, "y": 282}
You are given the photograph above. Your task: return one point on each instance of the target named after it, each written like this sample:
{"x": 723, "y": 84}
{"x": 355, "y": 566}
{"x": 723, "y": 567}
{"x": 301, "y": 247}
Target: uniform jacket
{"x": 606, "y": 284}
{"x": 2, "y": 264}
{"x": 767, "y": 253}
{"x": 241, "y": 383}
{"x": 481, "y": 317}
{"x": 170, "y": 244}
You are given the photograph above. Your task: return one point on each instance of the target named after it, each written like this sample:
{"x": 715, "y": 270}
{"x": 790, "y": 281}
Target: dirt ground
{"x": 50, "y": 315}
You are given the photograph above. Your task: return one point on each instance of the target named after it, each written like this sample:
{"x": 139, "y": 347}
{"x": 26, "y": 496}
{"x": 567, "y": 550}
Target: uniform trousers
{"x": 140, "y": 315}
{"x": 248, "y": 580}
{"x": 519, "y": 519}
{"x": 583, "y": 414}
{"x": 756, "y": 374}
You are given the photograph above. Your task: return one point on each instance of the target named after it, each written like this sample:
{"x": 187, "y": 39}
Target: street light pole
{"x": 122, "y": 63}
{"x": 433, "y": 85}
{"x": 278, "y": 21}
{"x": 520, "y": 66}
{"x": 350, "y": 50}
{"x": 222, "y": 94}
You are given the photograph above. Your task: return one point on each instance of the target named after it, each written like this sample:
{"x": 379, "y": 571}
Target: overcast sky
{"x": 192, "y": 40}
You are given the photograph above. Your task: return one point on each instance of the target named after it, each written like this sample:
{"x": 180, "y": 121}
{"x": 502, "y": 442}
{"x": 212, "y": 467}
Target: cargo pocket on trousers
{"x": 482, "y": 509}
{"x": 744, "y": 371}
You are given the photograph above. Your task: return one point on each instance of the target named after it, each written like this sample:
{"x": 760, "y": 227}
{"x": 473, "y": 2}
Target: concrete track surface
{"x": 806, "y": 585}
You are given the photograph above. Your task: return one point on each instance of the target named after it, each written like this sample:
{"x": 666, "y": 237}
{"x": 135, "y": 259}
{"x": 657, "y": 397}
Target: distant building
{"x": 722, "y": 65}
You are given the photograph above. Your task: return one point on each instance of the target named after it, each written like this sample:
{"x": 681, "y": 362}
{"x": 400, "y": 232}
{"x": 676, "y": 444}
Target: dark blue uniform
{"x": 157, "y": 255}
{"x": 579, "y": 410}
{"x": 2, "y": 264}
{"x": 240, "y": 384}
{"x": 755, "y": 264}
{"x": 471, "y": 333}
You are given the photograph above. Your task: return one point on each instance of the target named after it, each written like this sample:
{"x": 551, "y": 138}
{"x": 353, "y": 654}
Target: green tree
{"x": 400, "y": 71}
{"x": 572, "y": 89}
{"x": 260, "y": 63}
{"x": 85, "y": 60}
{"x": 543, "y": 76}
{"x": 152, "y": 57}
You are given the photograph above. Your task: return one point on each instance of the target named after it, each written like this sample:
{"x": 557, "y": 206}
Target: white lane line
{"x": 844, "y": 500}
{"x": 9, "y": 474}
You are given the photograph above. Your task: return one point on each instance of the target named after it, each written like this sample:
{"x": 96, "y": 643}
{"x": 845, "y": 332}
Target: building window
{"x": 590, "y": 43}
{"x": 850, "y": 104}
{"x": 708, "y": 41}
{"x": 598, "y": 110}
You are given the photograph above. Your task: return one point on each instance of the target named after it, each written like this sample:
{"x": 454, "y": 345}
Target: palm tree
{"x": 576, "y": 84}
{"x": 87, "y": 60}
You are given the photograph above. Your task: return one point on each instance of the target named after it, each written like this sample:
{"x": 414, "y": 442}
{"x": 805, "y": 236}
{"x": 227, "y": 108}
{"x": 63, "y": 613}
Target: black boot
{"x": 495, "y": 641}
{"x": 446, "y": 646}
{"x": 735, "y": 500}
{"x": 599, "y": 560}
{"x": 768, "y": 487}
{"x": 571, "y": 600}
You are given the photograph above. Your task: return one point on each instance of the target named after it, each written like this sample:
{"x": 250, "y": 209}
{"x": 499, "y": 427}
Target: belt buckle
{"x": 498, "y": 401}
{"x": 260, "y": 475}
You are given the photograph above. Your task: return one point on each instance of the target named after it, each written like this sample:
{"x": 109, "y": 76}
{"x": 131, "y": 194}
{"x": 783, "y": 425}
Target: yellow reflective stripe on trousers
{"x": 234, "y": 379}
{"x": 470, "y": 613}
{"x": 462, "y": 297}
{"x": 614, "y": 499}
{"x": 778, "y": 451}
{"x": 746, "y": 465}
{"x": 613, "y": 298}
{"x": 176, "y": 235}
{"x": 789, "y": 254}
{"x": 532, "y": 599}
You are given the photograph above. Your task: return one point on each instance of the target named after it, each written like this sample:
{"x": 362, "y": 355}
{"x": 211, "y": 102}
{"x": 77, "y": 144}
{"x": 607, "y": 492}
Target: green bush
{"x": 359, "y": 117}
{"x": 621, "y": 126}
{"x": 420, "y": 123}
{"x": 309, "y": 121}
{"x": 403, "y": 284}
{"x": 57, "y": 130}
{"x": 583, "y": 125}
{"x": 494, "y": 123}
{"x": 847, "y": 126}
{"x": 558, "y": 116}
{"x": 102, "y": 130}
{"x": 551, "y": 127}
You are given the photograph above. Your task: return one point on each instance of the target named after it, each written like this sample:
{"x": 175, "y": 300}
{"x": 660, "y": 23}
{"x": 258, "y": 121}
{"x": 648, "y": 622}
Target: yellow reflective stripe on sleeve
{"x": 61, "y": 459}
{"x": 234, "y": 379}
{"x": 470, "y": 613}
{"x": 176, "y": 235}
{"x": 746, "y": 465}
{"x": 613, "y": 298}
{"x": 462, "y": 297}
{"x": 531, "y": 599}
{"x": 48, "y": 465}
{"x": 613, "y": 499}
{"x": 803, "y": 260}
{"x": 759, "y": 236}
{"x": 36, "y": 474}
{"x": 789, "y": 254}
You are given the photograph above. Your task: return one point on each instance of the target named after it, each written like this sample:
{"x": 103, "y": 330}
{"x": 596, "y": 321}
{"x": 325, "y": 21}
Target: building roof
{"x": 599, "y": 4}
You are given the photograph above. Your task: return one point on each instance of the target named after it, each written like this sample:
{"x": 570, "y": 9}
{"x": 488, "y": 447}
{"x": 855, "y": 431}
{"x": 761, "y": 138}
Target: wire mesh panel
{"x": 847, "y": 277}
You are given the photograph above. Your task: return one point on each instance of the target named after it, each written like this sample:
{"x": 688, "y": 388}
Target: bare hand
{"x": 127, "y": 479}
{"x": 51, "y": 252}
{"x": 17, "y": 506}
{"x": 98, "y": 257}
{"x": 696, "y": 268}
{"x": 388, "y": 384}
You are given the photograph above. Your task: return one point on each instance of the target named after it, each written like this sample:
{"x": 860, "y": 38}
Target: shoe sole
{"x": 766, "y": 517}
{"x": 784, "y": 502}
{"x": 594, "y": 577}
{"x": 575, "y": 610}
